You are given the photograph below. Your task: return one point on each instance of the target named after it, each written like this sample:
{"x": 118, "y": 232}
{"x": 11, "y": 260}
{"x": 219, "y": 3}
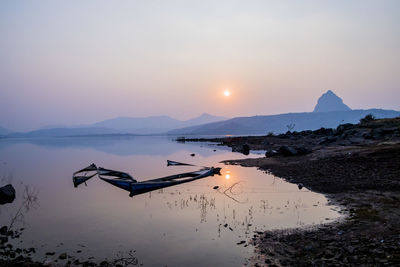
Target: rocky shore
{"x": 357, "y": 167}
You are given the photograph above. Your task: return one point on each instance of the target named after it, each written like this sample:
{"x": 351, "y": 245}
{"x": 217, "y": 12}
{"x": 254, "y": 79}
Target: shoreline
{"x": 354, "y": 166}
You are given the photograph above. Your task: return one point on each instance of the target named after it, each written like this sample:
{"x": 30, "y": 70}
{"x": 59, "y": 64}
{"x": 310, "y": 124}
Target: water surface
{"x": 189, "y": 224}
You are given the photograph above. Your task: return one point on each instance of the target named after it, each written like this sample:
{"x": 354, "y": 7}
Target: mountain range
{"x": 120, "y": 125}
{"x": 4, "y": 131}
{"x": 329, "y": 112}
{"x": 259, "y": 125}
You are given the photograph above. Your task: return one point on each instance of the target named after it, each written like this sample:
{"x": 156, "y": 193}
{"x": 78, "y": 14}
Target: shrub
{"x": 367, "y": 118}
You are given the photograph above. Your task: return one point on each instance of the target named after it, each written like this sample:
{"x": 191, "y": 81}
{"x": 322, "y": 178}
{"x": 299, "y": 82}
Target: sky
{"x": 79, "y": 62}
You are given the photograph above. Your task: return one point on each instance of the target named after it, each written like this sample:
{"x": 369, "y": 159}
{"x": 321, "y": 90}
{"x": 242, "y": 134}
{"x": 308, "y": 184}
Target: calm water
{"x": 189, "y": 224}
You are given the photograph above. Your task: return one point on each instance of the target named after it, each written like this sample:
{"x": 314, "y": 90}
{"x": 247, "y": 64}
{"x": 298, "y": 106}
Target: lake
{"x": 190, "y": 224}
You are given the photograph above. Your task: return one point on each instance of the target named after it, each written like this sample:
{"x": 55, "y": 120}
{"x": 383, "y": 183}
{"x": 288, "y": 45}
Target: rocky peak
{"x": 330, "y": 102}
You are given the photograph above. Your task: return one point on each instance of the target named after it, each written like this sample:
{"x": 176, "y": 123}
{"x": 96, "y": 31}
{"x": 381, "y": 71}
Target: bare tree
{"x": 290, "y": 127}
{"x": 29, "y": 201}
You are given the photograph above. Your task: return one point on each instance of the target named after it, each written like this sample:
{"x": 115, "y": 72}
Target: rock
{"x": 308, "y": 248}
{"x": 302, "y": 150}
{"x": 62, "y": 256}
{"x": 3, "y": 240}
{"x": 241, "y": 242}
{"x": 192, "y": 154}
{"x": 327, "y": 140}
{"x": 391, "y": 130}
{"x": 356, "y": 140}
{"x": 10, "y": 233}
{"x": 287, "y": 151}
{"x": 300, "y": 186}
{"x": 245, "y": 149}
{"x": 20, "y": 258}
{"x": 50, "y": 253}
{"x": 271, "y": 153}
{"x": 3, "y": 230}
{"x": 216, "y": 187}
{"x": 368, "y": 136}
{"x": 7, "y": 194}
{"x": 323, "y": 131}
{"x": 343, "y": 127}
{"x": 266, "y": 142}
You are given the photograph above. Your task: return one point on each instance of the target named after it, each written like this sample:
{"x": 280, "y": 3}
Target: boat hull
{"x": 137, "y": 188}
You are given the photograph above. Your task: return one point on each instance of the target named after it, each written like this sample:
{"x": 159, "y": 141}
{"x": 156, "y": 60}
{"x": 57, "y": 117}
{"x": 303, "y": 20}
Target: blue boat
{"x": 126, "y": 182}
{"x": 81, "y": 176}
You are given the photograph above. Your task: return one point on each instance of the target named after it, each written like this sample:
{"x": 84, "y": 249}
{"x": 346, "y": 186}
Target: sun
{"x": 227, "y": 93}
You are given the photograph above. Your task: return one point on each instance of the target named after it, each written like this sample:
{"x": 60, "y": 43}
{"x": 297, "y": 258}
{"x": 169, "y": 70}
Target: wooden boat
{"x": 126, "y": 182}
{"x": 175, "y": 163}
{"x": 81, "y": 176}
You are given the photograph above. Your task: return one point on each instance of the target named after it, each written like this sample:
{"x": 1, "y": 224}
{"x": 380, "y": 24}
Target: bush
{"x": 367, "y": 118}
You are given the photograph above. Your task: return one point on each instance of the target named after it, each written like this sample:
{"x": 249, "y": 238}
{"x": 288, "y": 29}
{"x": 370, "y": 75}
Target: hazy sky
{"x": 77, "y": 62}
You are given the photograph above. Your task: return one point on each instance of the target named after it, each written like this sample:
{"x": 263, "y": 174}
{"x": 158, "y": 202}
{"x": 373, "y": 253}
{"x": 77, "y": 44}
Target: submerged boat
{"x": 119, "y": 179}
{"x": 81, "y": 176}
{"x": 175, "y": 163}
{"x": 125, "y": 181}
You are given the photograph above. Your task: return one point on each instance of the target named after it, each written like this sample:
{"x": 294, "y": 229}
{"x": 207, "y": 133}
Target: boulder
{"x": 7, "y": 194}
{"x": 343, "y": 127}
{"x": 287, "y": 151}
{"x": 3, "y": 240}
{"x": 323, "y": 131}
{"x": 271, "y": 153}
{"x": 3, "y": 230}
{"x": 327, "y": 140}
{"x": 302, "y": 150}
{"x": 293, "y": 151}
{"x": 356, "y": 140}
{"x": 245, "y": 149}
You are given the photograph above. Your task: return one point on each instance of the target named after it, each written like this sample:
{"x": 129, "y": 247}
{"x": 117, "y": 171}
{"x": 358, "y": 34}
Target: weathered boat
{"x": 175, "y": 163}
{"x": 126, "y": 182}
{"x": 81, "y": 176}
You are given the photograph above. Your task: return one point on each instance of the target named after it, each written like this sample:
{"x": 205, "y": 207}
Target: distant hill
{"x": 120, "y": 125}
{"x": 279, "y": 123}
{"x": 330, "y": 102}
{"x": 4, "y": 131}
{"x": 64, "y": 132}
{"x": 154, "y": 124}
